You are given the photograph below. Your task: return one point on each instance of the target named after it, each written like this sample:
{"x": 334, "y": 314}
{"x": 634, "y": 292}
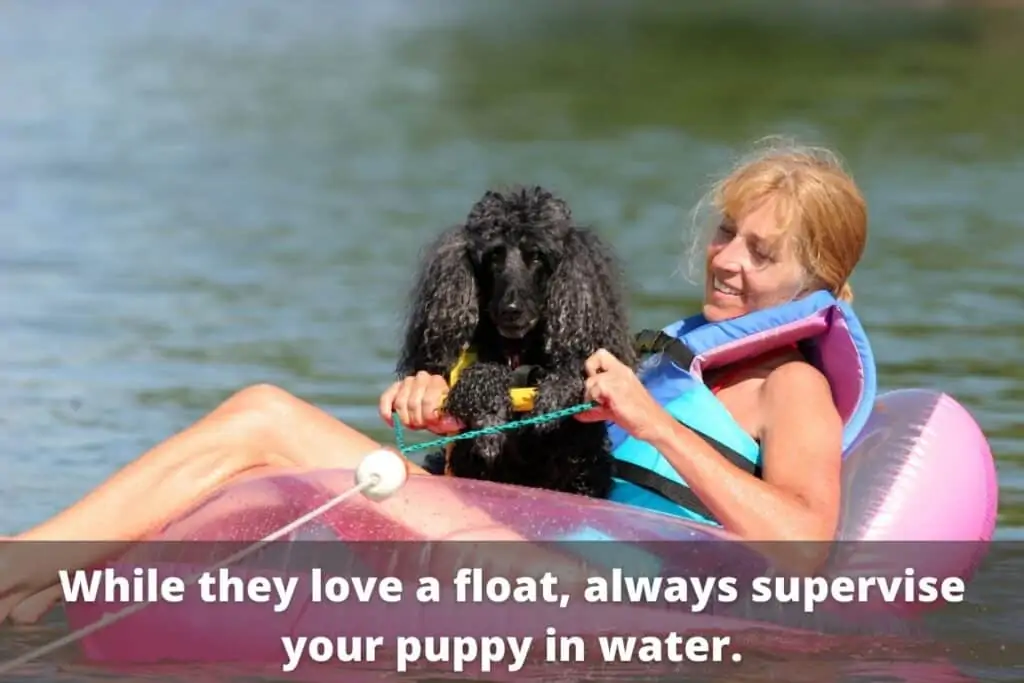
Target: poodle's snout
{"x": 511, "y": 304}
{"x": 516, "y": 314}
{"x": 513, "y": 308}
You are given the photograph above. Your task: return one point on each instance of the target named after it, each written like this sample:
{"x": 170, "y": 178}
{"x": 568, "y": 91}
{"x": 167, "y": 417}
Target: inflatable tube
{"x": 920, "y": 471}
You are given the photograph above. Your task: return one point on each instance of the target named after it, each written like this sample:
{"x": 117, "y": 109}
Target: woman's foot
{"x": 25, "y": 608}
{"x": 19, "y": 601}
{"x": 29, "y": 579}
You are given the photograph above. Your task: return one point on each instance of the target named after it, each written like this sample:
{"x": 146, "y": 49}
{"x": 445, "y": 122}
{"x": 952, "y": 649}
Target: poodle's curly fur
{"x": 523, "y": 284}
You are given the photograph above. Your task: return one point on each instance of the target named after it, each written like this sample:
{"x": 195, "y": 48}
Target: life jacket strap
{"x": 663, "y": 486}
{"x": 657, "y": 341}
{"x": 524, "y": 376}
{"x": 681, "y": 494}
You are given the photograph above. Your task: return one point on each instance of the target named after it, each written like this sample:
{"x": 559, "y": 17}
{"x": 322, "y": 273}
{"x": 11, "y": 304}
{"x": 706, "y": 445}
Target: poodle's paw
{"x": 490, "y": 446}
{"x": 481, "y": 395}
{"x": 555, "y": 394}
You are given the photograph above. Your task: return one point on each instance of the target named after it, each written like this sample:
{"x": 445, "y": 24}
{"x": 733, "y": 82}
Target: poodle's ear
{"x": 444, "y": 309}
{"x": 586, "y": 303}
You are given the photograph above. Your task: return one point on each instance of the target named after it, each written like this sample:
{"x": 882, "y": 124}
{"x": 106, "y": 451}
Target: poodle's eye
{"x": 494, "y": 257}
{"x": 531, "y": 256}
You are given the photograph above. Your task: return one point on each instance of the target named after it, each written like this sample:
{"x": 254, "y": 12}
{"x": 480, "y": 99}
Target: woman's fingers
{"x": 417, "y": 400}
{"x": 437, "y": 421}
{"x": 387, "y": 402}
{"x": 446, "y": 425}
{"x": 601, "y": 360}
{"x": 402, "y": 400}
{"x": 432, "y": 400}
{"x": 596, "y": 388}
{"x": 598, "y": 414}
{"x": 420, "y": 386}
{"x": 428, "y": 399}
{"x": 598, "y": 391}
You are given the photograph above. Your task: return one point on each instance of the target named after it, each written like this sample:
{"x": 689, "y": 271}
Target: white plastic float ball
{"x": 388, "y": 468}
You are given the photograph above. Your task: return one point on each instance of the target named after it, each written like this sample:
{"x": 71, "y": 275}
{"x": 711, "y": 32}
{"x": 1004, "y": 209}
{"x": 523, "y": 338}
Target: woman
{"x": 791, "y": 221}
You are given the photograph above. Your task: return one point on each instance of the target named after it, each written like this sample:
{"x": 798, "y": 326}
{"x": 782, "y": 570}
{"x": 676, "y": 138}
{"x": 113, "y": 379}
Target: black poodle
{"x": 533, "y": 295}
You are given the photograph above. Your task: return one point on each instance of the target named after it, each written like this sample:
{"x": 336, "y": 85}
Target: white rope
{"x": 110, "y": 617}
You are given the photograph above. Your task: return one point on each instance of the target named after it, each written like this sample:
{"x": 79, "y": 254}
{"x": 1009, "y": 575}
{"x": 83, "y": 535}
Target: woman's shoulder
{"x": 797, "y": 385}
{"x": 795, "y": 372}
{"x": 798, "y": 416}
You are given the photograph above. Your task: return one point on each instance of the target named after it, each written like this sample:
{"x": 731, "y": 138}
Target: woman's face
{"x": 750, "y": 266}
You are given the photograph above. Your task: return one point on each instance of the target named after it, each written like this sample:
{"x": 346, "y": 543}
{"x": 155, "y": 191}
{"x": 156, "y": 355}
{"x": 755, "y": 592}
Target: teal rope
{"x": 515, "y": 424}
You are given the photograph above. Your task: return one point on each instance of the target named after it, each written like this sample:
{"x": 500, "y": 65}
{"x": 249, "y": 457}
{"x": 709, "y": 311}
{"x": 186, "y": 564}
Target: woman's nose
{"x": 731, "y": 258}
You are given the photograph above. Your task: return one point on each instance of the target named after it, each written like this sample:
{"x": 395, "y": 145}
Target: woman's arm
{"x": 801, "y": 442}
{"x": 801, "y": 445}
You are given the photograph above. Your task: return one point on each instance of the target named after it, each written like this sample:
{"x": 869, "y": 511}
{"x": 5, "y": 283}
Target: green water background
{"x": 199, "y": 196}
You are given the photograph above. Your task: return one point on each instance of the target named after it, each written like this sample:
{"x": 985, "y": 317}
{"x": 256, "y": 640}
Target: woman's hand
{"x": 418, "y": 400}
{"x": 621, "y": 397}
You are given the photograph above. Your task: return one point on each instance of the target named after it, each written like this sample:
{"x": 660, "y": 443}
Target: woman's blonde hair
{"x": 819, "y": 206}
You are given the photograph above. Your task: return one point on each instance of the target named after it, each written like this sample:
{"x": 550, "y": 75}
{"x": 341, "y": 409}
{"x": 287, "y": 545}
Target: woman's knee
{"x": 250, "y": 429}
{"x": 259, "y": 408}
{"x": 265, "y": 399}
{"x": 270, "y": 420}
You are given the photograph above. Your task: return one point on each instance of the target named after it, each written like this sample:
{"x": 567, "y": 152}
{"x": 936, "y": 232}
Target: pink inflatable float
{"x": 917, "y": 468}
{"x": 921, "y": 471}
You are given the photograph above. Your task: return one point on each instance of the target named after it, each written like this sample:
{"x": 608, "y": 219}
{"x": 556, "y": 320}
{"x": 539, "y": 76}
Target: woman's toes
{"x": 29, "y": 610}
{"x": 8, "y": 603}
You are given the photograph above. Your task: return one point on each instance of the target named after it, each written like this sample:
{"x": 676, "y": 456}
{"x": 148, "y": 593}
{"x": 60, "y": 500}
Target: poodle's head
{"x": 518, "y": 264}
{"x": 515, "y": 243}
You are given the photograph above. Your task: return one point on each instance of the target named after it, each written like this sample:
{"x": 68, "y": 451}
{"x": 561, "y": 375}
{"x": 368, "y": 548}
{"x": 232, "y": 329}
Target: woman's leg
{"x": 259, "y": 428}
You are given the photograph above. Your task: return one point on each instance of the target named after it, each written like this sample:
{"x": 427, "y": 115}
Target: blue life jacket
{"x": 824, "y": 328}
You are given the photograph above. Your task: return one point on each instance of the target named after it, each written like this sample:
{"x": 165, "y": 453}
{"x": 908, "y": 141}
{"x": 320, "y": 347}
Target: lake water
{"x": 196, "y": 197}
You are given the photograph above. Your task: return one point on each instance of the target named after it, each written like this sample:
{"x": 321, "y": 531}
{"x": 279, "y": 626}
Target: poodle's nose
{"x": 511, "y": 303}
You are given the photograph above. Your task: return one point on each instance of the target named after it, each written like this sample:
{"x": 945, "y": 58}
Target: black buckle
{"x": 525, "y": 376}
{"x": 656, "y": 341}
